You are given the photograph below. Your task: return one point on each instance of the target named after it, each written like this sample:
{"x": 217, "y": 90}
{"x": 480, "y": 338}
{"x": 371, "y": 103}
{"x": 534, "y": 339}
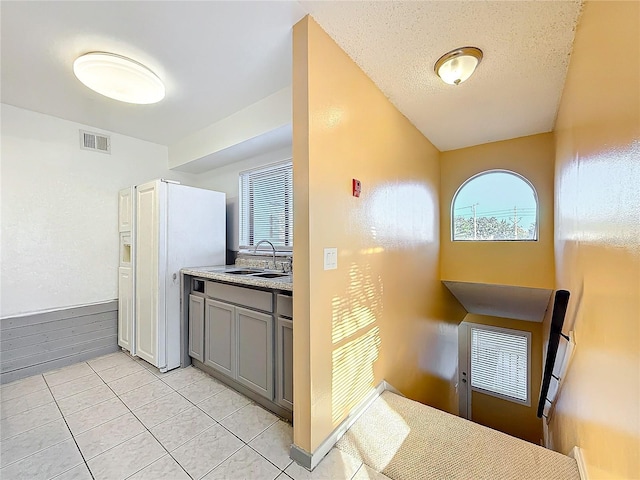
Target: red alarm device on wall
{"x": 357, "y": 187}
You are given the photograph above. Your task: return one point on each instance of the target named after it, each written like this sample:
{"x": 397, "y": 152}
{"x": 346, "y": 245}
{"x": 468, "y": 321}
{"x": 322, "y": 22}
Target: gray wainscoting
{"x": 37, "y": 343}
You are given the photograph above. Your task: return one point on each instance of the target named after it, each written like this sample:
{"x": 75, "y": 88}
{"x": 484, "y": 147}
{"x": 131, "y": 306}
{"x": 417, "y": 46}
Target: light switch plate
{"x": 330, "y": 258}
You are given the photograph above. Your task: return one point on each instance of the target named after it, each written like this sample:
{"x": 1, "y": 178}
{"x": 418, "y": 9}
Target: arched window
{"x": 496, "y": 205}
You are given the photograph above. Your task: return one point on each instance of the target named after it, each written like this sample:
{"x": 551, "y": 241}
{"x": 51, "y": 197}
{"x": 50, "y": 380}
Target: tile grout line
{"x": 53, "y": 400}
{"x": 194, "y": 405}
{"x": 173, "y": 390}
{"x": 281, "y": 469}
{"x": 231, "y": 455}
{"x": 70, "y": 432}
{"x": 63, "y": 417}
{"x": 216, "y": 422}
{"x": 147, "y": 429}
{"x": 219, "y": 422}
{"x": 76, "y": 393}
{"x": 120, "y": 378}
{"x": 149, "y": 369}
{"x": 159, "y": 442}
{"x": 68, "y": 381}
{"x": 32, "y": 408}
{"x": 143, "y": 425}
{"x": 29, "y": 430}
{"x": 4, "y": 400}
{"x": 241, "y": 440}
{"x": 49, "y": 388}
{"x": 94, "y": 406}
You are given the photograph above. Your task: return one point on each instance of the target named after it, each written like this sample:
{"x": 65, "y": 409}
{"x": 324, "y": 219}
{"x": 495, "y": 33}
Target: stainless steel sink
{"x": 242, "y": 272}
{"x": 270, "y": 275}
{"x": 255, "y": 272}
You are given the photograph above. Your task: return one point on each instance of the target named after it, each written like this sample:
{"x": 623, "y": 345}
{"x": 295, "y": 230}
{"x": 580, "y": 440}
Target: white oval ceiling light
{"x": 458, "y": 65}
{"x": 119, "y": 77}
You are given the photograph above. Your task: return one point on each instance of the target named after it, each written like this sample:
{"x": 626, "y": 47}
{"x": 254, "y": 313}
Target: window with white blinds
{"x": 500, "y": 362}
{"x": 266, "y": 206}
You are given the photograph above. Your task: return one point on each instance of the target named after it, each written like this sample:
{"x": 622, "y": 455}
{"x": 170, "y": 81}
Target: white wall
{"x": 59, "y": 242}
{"x": 258, "y": 119}
{"x": 225, "y": 179}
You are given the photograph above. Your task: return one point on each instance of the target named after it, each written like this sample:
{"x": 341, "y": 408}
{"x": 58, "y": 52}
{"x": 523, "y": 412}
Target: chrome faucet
{"x": 255, "y": 250}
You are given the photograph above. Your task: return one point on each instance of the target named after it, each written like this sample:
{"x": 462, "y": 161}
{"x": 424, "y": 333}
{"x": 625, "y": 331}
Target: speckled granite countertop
{"x": 220, "y": 274}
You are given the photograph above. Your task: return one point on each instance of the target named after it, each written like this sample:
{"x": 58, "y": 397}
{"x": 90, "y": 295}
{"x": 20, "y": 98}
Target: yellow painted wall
{"x": 510, "y": 417}
{"x": 383, "y": 313}
{"x": 301, "y": 277}
{"x": 597, "y": 240}
{"x": 527, "y": 264}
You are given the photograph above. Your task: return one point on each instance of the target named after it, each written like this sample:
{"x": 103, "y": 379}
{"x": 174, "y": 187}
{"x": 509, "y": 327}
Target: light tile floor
{"x": 116, "y": 417}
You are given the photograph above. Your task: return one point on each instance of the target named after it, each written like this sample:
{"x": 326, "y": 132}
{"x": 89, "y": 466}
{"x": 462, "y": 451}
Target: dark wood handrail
{"x": 557, "y": 320}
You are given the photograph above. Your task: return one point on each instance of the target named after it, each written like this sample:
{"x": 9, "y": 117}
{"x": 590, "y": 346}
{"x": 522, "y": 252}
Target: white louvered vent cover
{"x": 95, "y": 142}
{"x": 500, "y": 363}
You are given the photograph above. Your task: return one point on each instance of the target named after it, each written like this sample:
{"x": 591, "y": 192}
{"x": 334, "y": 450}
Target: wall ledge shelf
{"x": 505, "y": 301}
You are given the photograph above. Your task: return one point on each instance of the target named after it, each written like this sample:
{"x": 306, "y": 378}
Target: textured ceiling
{"x": 218, "y": 57}
{"x": 516, "y": 89}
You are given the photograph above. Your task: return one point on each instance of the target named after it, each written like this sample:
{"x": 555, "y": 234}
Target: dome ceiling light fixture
{"x": 119, "y": 77}
{"x": 458, "y": 65}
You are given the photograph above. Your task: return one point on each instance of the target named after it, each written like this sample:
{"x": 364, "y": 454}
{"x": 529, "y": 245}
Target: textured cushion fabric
{"x": 407, "y": 440}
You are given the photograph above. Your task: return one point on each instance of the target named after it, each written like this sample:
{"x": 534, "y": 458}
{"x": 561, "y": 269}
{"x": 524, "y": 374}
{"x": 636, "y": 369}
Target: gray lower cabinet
{"x": 237, "y": 335}
{"x": 196, "y": 327}
{"x": 255, "y": 351}
{"x": 220, "y": 337}
{"x": 284, "y": 374}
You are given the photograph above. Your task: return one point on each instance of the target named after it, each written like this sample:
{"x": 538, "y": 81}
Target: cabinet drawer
{"x": 241, "y": 296}
{"x": 285, "y": 306}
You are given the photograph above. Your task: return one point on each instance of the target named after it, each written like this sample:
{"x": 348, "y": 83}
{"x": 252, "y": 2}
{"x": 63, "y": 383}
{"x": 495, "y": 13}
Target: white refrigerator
{"x": 164, "y": 226}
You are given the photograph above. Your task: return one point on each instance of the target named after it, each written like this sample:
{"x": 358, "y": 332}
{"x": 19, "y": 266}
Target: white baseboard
{"x": 390, "y": 388}
{"x": 578, "y": 456}
{"x": 310, "y": 460}
{"x": 546, "y": 435}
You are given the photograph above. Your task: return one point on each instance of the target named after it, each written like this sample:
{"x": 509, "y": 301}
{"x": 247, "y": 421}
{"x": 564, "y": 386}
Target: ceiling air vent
{"x": 95, "y": 142}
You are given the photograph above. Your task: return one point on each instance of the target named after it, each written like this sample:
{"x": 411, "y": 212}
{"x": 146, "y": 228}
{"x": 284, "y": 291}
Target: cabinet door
{"x": 125, "y": 307}
{"x": 196, "y": 327}
{"x": 125, "y": 210}
{"x": 284, "y": 372}
{"x": 149, "y": 327}
{"x": 255, "y": 351}
{"x": 220, "y": 337}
